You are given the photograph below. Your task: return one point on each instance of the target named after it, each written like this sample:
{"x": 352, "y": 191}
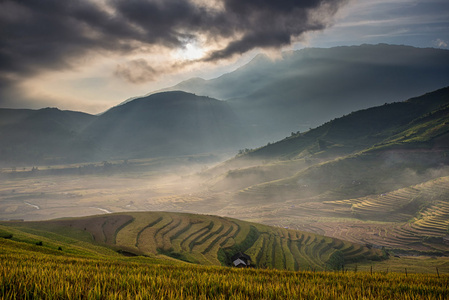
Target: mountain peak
{"x": 168, "y": 123}
{"x": 170, "y": 97}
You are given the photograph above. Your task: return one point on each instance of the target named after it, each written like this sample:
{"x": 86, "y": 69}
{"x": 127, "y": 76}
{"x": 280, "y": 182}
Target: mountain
{"x": 44, "y": 135}
{"x": 305, "y": 88}
{"x": 244, "y": 81}
{"x": 384, "y": 164}
{"x": 261, "y": 102}
{"x": 368, "y": 127}
{"x": 165, "y": 124}
{"x": 418, "y": 127}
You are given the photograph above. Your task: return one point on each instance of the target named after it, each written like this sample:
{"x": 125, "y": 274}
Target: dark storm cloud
{"x": 46, "y": 33}
{"x": 268, "y": 24}
{"x": 53, "y": 34}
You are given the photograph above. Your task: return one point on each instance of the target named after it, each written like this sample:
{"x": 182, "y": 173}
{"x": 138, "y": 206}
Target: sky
{"x": 89, "y": 55}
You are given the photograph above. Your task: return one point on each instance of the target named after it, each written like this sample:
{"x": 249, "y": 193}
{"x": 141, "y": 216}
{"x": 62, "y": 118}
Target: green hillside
{"x": 416, "y": 120}
{"x": 199, "y": 239}
{"x": 376, "y": 148}
{"x": 350, "y": 173}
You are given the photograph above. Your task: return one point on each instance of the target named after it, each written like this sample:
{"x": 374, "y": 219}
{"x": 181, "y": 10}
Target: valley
{"x": 384, "y": 185}
{"x": 361, "y": 189}
{"x": 224, "y": 149}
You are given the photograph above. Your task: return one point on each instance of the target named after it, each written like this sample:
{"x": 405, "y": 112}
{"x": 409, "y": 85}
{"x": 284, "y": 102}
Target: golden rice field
{"x": 27, "y": 272}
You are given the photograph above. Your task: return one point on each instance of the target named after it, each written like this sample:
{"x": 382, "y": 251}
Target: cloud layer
{"x": 54, "y": 34}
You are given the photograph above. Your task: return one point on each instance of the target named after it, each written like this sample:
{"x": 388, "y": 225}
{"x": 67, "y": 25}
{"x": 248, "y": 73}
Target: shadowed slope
{"x": 172, "y": 123}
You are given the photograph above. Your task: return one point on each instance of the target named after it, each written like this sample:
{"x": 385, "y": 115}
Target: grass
{"x": 412, "y": 264}
{"x": 28, "y": 274}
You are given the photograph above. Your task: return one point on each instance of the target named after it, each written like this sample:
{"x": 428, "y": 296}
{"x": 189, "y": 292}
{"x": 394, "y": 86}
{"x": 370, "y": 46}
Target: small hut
{"x": 241, "y": 260}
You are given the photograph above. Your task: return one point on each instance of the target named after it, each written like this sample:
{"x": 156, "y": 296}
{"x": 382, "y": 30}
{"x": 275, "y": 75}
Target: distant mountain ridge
{"x": 262, "y": 101}
{"x": 171, "y": 123}
{"x": 164, "y": 124}
{"x": 308, "y": 87}
{"x": 47, "y": 135}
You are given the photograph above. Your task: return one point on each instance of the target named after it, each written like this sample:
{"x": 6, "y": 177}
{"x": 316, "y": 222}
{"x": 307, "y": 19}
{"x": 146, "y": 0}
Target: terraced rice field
{"x": 403, "y": 203}
{"x": 414, "y": 218}
{"x": 212, "y": 240}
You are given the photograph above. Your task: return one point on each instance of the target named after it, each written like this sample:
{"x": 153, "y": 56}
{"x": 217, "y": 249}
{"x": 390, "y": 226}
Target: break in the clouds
{"x": 54, "y": 34}
{"x": 420, "y": 23}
